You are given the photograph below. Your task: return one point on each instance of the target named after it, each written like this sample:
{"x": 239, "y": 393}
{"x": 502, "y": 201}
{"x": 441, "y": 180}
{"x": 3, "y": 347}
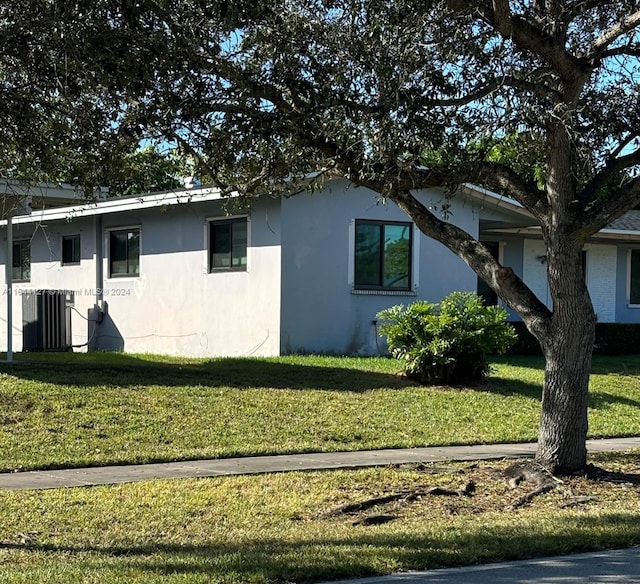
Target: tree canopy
{"x": 536, "y": 99}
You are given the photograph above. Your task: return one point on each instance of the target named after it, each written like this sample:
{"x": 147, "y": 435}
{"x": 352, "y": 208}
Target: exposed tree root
{"x": 375, "y": 520}
{"x": 405, "y": 496}
{"x": 533, "y": 473}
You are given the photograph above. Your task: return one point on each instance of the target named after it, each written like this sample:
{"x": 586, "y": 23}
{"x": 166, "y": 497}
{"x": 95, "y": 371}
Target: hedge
{"x": 612, "y": 338}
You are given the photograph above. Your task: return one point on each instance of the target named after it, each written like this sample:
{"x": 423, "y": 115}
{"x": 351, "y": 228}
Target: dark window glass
{"x": 484, "y": 291}
{"x": 70, "y": 249}
{"x": 124, "y": 252}
{"x": 21, "y": 261}
{"x": 383, "y": 255}
{"x": 634, "y": 292}
{"x": 228, "y": 245}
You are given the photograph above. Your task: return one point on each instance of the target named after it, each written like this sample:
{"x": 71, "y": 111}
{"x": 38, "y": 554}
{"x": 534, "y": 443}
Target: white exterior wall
{"x": 601, "y": 279}
{"x": 320, "y": 311}
{"x": 601, "y": 276}
{"x": 175, "y": 306}
{"x": 48, "y": 273}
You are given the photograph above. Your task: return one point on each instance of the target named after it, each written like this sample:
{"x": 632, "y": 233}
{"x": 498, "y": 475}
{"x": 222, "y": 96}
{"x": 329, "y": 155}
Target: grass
{"x": 274, "y": 528}
{"x": 89, "y": 409}
{"x": 75, "y": 409}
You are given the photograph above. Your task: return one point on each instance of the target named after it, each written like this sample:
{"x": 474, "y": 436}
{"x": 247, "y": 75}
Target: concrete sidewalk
{"x": 104, "y": 475}
{"x": 607, "y": 567}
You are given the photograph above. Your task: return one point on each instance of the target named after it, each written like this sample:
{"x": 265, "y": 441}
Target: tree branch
{"x": 602, "y": 212}
{"x": 502, "y": 17}
{"x": 627, "y": 50}
{"x": 616, "y": 31}
{"x": 526, "y": 36}
{"x": 489, "y": 87}
{"x": 503, "y": 280}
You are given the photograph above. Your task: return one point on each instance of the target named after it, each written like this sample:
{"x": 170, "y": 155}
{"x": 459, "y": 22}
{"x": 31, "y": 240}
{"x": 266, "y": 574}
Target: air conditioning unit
{"x": 46, "y": 320}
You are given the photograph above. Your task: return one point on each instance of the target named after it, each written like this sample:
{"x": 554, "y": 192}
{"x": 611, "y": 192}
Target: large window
{"x": 634, "y": 279}
{"x": 70, "y": 250}
{"x": 124, "y": 252}
{"x": 228, "y": 244}
{"x": 382, "y": 255}
{"x": 21, "y": 263}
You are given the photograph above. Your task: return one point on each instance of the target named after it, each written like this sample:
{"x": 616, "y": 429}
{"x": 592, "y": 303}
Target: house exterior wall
{"x": 175, "y": 306}
{"x": 320, "y": 310}
{"x": 624, "y": 311}
{"x": 48, "y": 273}
{"x": 601, "y": 273}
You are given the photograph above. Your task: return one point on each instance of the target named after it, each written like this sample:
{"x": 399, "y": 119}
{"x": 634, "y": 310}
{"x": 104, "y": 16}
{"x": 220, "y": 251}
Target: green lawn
{"x": 87, "y": 409}
{"x": 275, "y": 529}
{"x": 77, "y": 409}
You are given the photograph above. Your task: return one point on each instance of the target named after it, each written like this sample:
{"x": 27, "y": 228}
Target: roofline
{"x": 603, "y": 234}
{"x": 119, "y": 204}
{"x": 482, "y": 194}
{"x": 20, "y": 188}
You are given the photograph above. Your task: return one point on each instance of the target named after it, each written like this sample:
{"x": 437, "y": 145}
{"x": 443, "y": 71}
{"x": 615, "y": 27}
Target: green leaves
{"x": 447, "y": 342}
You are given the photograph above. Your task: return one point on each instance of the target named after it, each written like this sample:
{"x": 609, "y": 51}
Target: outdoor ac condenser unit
{"x": 46, "y": 320}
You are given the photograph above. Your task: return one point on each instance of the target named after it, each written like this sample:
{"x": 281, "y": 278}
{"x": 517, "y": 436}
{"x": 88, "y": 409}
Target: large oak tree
{"x": 392, "y": 95}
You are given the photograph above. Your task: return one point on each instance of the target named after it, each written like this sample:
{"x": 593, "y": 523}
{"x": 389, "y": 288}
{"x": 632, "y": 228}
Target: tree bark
{"x": 567, "y": 349}
{"x": 567, "y": 344}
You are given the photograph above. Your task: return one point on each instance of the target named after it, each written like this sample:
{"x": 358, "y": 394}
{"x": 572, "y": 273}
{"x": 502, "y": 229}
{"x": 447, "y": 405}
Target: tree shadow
{"x": 508, "y": 387}
{"x": 599, "y": 400}
{"x": 324, "y": 558}
{"x": 123, "y": 370}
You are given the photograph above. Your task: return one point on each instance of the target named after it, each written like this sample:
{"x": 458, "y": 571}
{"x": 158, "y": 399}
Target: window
{"x": 382, "y": 255}
{"x": 634, "y": 277}
{"x": 228, "y": 245}
{"x": 70, "y": 250}
{"x": 21, "y": 262}
{"x": 124, "y": 252}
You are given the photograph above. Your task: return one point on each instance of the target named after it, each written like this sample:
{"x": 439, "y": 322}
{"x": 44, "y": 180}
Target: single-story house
{"x": 184, "y": 273}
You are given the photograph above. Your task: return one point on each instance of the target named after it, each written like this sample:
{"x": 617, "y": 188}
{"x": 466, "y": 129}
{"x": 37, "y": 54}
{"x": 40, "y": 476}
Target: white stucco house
{"x": 175, "y": 273}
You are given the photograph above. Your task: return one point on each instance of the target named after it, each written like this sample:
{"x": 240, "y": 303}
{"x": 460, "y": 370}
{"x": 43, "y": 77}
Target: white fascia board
{"x": 118, "y": 205}
{"x": 605, "y": 234}
{"x": 496, "y": 199}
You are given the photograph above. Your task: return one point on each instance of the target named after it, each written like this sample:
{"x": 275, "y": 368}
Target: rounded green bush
{"x": 446, "y": 343}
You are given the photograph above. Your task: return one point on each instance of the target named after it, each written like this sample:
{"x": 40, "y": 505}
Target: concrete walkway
{"x": 607, "y": 567}
{"x": 104, "y": 475}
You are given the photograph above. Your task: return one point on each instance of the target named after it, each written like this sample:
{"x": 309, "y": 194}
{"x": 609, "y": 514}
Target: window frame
{"x": 381, "y": 287}
{"x": 630, "y": 302}
{"x": 110, "y": 260}
{"x": 75, "y": 239}
{"x": 218, "y": 222}
{"x": 21, "y": 243}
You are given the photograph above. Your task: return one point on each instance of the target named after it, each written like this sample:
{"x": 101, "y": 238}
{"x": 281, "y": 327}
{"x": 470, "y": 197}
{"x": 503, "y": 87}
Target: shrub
{"x": 446, "y": 343}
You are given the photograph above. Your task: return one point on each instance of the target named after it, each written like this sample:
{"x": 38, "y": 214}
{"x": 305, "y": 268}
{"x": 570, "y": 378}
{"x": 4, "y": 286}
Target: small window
{"x": 124, "y": 252}
{"x": 70, "y": 250}
{"x": 634, "y": 279}
{"x": 228, "y": 245}
{"x": 21, "y": 262}
{"x": 383, "y": 255}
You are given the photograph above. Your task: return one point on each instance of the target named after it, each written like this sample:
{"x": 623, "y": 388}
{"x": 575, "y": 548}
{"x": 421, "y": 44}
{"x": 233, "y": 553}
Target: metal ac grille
{"x": 46, "y": 321}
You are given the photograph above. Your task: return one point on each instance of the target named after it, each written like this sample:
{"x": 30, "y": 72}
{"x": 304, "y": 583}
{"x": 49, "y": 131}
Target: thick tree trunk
{"x": 567, "y": 343}
{"x": 563, "y": 419}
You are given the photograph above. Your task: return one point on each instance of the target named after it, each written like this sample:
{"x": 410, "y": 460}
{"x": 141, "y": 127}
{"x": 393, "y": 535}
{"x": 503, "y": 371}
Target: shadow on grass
{"x": 507, "y": 387}
{"x": 356, "y": 555}
{"x": 122, "y": 370}
{"x": 125, "y": 370}
{"x": 599, "y": 400}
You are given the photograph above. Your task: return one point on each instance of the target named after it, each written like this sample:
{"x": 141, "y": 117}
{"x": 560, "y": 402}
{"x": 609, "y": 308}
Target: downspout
{"x": 9, "y": 283}
{"x": 98, "y": 310}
